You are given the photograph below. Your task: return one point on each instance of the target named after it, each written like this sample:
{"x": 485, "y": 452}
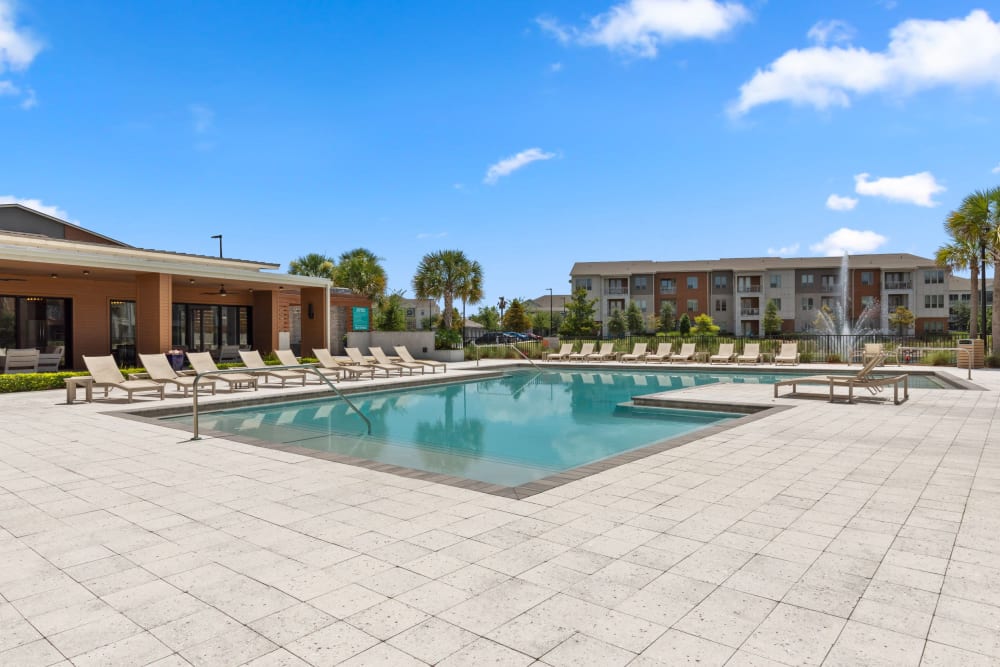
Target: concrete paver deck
{"x": 823, "y": 534}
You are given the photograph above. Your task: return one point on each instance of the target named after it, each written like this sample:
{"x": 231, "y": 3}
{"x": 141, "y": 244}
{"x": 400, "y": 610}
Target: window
{"x": 867, "y": 278}
{"x": 692, "y": 305}
{"x": 898, "y": 280}
{"x": 207, "y": 327}
{"x": 934, "y": 301}
{"x": 668, "y": 286}
{"x": 828, "y": 303}
{"x": 411, "y": 312}
{"x": 720, "y": 305}
{"x": 641, "y": 304}
{"x": 807, "y": 303}
{"x": 777, "y": 303}
{"x": 123, "y": 332}
{"x": 776, "y": 280}
{"x": 583, "y": 283}
{"x": 692, "y": 282}
{"x": 934, "y": 277}
{"x": 640, "y": 283}
{"x": 828, "y": 281}
{"x": 36, "y": 321}
{"x": 807, "y": 280}
{"x": 721, "y": 282}
{"x": 615, "y": 305}
{"x": 617, "y": 285}
{"x": 934, "y": 327}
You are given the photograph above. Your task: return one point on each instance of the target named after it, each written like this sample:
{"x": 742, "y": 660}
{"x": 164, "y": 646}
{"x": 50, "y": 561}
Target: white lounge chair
{"x": 686, "y": 353}
{"x": 750, "y": 355}
{"x": 287, "y": 358}
{"x": 404, "y": 354}
{"x": 606, "y": 353}
{"x": 105, "y": 372}
{"x": 565, "y": 350}
{"x": 662, "y": 352}
{"x": 725, "y": 355}
{"x": 256, "y": 366}
{"x": 327, "y": 362}
{"x": 789, "y": 354}
{"x": 638, "y": 353}
{"x": 383, "y": 360}
{"x": 586, "y": 349}
{"x": 863, "y": 378}
{"x": 202, "y": 364}
{"x": 21, "y": 361}
{"x": 354, "y": 354}
{"x": 159, "y": 370}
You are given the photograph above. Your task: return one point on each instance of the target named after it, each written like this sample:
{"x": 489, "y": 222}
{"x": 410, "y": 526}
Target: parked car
{"x": 518, "y": 336}
{"x": 494, "y": 337}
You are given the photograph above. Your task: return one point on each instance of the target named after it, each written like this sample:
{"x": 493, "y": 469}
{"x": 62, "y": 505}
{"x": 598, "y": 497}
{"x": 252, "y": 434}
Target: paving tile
{"x": 38, "y": 652}
{"x": 387, "y": 619}
{"x": 532, "y": 633}
{"x": 795, "y": 636}
{"x": 292, "y": 623}
{"x": 581, "y": 649}
{"x": 237, "y": 646}
{"x": 332, "y": 644}
{"x": 861, "y": 644}
{"x": 679, "y": 648}
{"x": 726, "y": 616}
{"x": 140, "y": 649}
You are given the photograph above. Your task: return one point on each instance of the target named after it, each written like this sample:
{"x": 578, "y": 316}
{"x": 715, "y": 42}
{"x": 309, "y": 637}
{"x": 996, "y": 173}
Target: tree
{"x": 579, "y": 315}
{"x": 634, "y": 319}
{"x": 959, "y": 316}
{"x": 447, "y": 274}
{"x": 684, "y": 325}
{"x": 540, "y": 321}
{"x": 617, "y": 325}
{"x": 489, "y": 317}
{"x": 772, "y": 321}
{"x": 361, "y": 271}
{"x": 902, "y": 318}
{"x": 390, "y": 315}
{"x": 666, "y": 317}
{"x": 704, "y": 326}
{"x": 515, "y": 319}
{"x": 314, "y": 264}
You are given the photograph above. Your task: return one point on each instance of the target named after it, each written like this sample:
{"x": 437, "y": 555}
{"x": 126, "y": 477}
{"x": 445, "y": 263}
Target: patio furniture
{"x": 404, "y": 354}
{"x": 662, "y": 353}
{"x": 382, "y": 359}
{"x": 85, "y": 381}
{"x": 788, "y": 354}
{"x": 202, "y": 364}
{"x": 863, "y": 377}
{"x": 21, "y": 361}
{"x": 287, "y": 358}
{"x": 638, "y": 353}
{"x": 565, "y": 350}
{"x": 686, "y": 353}
{"x": 48, "y": 362}
{"x": 606, "y": 353}
{"x": 229, "y": 354}
{"x": 105, "y": 372}
{"x": 725, "y": 354}
{"x": 354, "y": 354}
{"x": 256, "y": 366}
{"x": 750, "y": 355}
{"x": 586, "y": 349}
{"x": 328, "y": 363}
{"x": 159, "y": 370}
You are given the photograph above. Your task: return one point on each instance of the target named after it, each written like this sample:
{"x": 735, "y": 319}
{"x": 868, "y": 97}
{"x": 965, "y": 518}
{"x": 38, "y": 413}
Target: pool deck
{"x": 821, "y": 534}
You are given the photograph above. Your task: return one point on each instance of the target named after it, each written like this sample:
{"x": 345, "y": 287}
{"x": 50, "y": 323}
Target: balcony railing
{"x": 750, "y": 312}
{"x": 617, "y": 290}
{"x": 668, "y": 290}
{"x": 748, "y": 289}
{"x": 829, "y": 288}
{"x": 899, "y": 284}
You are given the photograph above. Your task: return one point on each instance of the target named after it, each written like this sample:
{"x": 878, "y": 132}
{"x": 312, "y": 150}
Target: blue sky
{"x": 530, "y": 135}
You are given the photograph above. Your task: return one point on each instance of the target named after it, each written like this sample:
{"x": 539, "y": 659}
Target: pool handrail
{"x": 305, "y": 367}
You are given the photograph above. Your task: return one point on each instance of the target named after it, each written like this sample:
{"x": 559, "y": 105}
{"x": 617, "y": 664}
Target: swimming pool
{"x": 509, "y": 430}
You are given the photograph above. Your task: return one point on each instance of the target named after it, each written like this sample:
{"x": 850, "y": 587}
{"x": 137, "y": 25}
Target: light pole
{"x": 219, "y": 236}
{"x": 550, "y": 310}
{"x": 982, "y": 284}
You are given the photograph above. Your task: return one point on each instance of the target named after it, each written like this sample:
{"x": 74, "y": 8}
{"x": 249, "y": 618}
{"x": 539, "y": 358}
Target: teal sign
{"x": 359, "y": 316}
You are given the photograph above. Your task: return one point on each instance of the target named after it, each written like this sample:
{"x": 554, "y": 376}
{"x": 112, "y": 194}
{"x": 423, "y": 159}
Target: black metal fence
{"x": 812, "y": 347}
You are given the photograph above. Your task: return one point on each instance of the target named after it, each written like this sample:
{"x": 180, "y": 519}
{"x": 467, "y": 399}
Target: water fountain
{"x": 837, "y": 321}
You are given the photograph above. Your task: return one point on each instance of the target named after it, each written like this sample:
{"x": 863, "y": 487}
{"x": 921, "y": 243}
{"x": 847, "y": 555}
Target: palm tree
{"x": 361, "y": 271}
{"x": 970, "y": 224}
{"x": 313, "y": 264}
{"x": 960, "y": 256}
{"x": 447, "y": 274}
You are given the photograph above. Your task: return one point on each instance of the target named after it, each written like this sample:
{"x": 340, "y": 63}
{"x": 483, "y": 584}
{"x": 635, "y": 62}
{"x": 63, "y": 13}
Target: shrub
{"x": 992, "y": 361}
{"x": 447, "y": 339}
{"x": 834, "y": 359}
{"x": 940, "y": 358}
{"x": 35, "y": 381}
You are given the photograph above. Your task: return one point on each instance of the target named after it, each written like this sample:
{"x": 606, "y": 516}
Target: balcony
{"x": 898, "y": 284}
{"x": 617, "y": 290}
{"x": 748, "y": 289}
{"x": 829, "y": 288}
{"x": 749, "y": 312}
{"x": 668, "y": 290}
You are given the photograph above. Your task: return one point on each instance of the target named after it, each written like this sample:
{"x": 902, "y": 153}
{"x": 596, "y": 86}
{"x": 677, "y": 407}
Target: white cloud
{"x": 785, "y": 251}
{"x": 18, "y": 47}
{"x": 201, "y": 118}
{"x": 996, "y": 169}
{"x": 913, "y": 189}
{"x": 830, "y": 32}
{"x": 511, "y": 164}
{"x": 640, "y": 27}
{"x": 838, "y": 203}
{"x": 849, "y": 241}
{"x": 921, "y": 54}
{"x": 555, "y": 67}
{"x": 37, "y": 205}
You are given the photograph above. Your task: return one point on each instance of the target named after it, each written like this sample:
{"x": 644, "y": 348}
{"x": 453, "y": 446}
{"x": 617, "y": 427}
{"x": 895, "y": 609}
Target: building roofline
{"x": 64, "y": 222}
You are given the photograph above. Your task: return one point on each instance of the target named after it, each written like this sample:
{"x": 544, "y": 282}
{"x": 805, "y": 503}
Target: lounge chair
{"x": 48, "y": 362}
{"x": 159, "y": 370}
{"x": 686, "y": 353}
{"x": 638, "y": 353}
{"x": 750, "y": 355}
{"x": 873, "y": 349}
{"x": 586, "y": 349}
{"x": 383, "y": 360}
{"x": 328, "y": 363}
{"x": 354, "y": 354}
{"x": 404, "y": 354}
{"x": 725, "y": 355}
{"x": 606, "y": 352}
{"x": 21, "y": 361}
{"x": 862, "y": 379}
{"x": 202, "y": 364}
{"x": 256, "y": 366}
{"x": 229, "y": 354}
{"x": 565, "y": 350}
{"x": 789, "y": 354}
{"x": 662, "y": 352}
{"x": 105, "y": 372}
{"x": 287, "y": 358}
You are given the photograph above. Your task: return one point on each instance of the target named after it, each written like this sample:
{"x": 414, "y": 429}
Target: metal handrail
{"x": 298, "y": 367}
{"x": 519, "y": 351}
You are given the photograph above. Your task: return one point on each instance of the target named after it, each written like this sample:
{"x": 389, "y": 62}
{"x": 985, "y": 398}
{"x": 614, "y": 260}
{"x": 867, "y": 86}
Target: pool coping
{"x": 750, "y": 412}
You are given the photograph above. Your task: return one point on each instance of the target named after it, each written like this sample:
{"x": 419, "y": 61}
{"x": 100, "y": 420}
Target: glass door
{"x": 204, "y": 327}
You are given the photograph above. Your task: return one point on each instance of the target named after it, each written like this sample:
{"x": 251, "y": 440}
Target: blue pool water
{"x": 506, "y": 430}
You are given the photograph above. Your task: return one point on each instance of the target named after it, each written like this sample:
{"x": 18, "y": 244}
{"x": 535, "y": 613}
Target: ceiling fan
{"x": 221, "y": 292}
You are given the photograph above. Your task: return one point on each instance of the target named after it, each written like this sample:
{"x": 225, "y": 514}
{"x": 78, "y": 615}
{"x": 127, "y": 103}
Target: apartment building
{"x": 736, "y": 291}
{"x": 418, "y": 311}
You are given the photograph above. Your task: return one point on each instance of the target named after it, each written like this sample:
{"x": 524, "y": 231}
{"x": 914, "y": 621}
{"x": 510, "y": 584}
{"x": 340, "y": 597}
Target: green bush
{"x": 992, "y": 361}
{"x": 447, "y": 339}
{"x": 939, "y": 358}
{"x": 834, "y": 359}
{"x": 35, "y": 381}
